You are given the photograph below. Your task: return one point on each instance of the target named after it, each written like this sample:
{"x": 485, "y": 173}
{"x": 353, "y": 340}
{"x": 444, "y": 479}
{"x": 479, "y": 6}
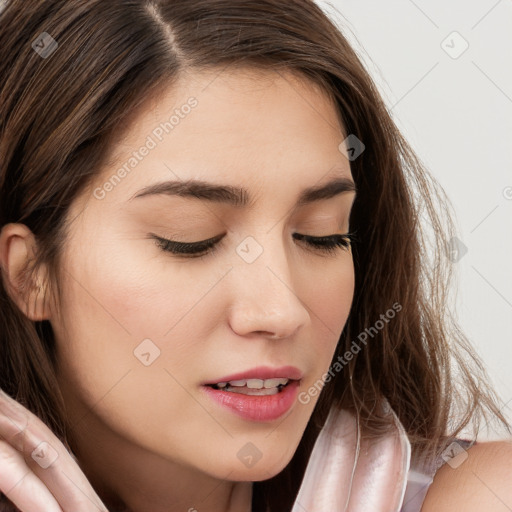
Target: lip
{"x": 261, "y": 372}
{"x": 263, "y": 408}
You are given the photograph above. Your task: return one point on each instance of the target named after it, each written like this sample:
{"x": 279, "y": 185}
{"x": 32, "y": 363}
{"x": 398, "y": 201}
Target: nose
{"x": 265, "y": 300}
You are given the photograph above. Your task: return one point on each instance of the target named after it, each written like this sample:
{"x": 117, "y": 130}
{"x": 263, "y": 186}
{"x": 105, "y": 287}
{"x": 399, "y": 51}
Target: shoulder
{"x": 481, "y": 481}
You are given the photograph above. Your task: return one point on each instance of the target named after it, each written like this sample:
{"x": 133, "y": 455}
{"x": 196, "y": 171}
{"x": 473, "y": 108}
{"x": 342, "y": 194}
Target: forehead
{"x": 242, "y": 125}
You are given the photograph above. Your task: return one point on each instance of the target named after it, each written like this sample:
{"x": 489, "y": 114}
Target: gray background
{"x": 456, "y": 111}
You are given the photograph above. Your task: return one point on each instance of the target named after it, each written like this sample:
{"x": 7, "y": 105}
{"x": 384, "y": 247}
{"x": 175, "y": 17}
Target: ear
{"x": 17, "y": 251}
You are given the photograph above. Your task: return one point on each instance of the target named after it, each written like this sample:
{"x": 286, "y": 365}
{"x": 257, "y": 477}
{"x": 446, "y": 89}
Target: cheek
{"x": 329, "y": 302}
{"x": 128, "y": 288}
{"x": 329, "y": 297}
{"x": 129, "y": 315}
{"x": 126, "y": 345}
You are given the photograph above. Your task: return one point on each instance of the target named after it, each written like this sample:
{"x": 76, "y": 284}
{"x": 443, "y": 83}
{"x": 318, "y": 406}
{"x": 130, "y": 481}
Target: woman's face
{"x": 141, "y": 330}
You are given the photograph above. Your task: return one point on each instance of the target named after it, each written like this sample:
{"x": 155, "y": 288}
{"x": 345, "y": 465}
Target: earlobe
{"x": 27, "y": 290}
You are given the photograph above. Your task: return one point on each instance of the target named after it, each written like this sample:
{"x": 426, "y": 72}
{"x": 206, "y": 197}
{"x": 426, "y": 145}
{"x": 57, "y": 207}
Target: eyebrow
{"x": 238, "y": 196}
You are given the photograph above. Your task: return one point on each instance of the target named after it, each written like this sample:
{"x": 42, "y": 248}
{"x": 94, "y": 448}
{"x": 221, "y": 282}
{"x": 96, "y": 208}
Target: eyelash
{"x": 326, "y": 244}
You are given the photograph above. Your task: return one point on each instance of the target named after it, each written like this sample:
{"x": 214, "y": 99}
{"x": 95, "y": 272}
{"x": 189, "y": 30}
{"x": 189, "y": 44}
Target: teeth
{"x": 237, "y": 382}
{"x": 255, "y": 392}
{"x": 272, "y": 383}
{"x": 255, "y": 383}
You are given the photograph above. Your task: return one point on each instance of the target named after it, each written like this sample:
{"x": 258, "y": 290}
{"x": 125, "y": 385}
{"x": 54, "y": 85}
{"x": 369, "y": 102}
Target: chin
{"x": 257, "y": 473}
{"x": 255, "y": 466}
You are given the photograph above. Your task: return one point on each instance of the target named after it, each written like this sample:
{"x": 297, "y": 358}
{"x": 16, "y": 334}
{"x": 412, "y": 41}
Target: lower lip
{"x": 257, "y": 408}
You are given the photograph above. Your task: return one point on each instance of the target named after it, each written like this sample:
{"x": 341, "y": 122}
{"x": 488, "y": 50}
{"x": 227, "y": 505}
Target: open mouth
{"x": 255, "y": 399}
{"x": 253, "y": 387}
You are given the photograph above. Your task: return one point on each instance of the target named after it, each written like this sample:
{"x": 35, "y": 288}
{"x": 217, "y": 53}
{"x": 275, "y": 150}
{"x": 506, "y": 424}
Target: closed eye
{"x": 329, "y": 244}
{"x": 325, "y": 244}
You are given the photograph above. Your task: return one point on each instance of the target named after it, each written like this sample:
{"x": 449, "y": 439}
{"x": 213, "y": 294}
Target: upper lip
{"x": 261, "y": 372}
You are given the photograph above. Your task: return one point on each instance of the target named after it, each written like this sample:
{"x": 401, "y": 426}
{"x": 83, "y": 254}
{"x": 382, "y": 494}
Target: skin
{"x": 481, "y": 482}
{"x": 146, "y": 437}
{"x": 274, "y": 135}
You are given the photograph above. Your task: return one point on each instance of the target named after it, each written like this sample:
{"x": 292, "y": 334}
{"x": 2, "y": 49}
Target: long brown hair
{"x": 59, "y": 114}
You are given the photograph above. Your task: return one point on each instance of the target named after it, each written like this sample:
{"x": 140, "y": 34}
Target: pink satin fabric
{"x": 346, "y": 474}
